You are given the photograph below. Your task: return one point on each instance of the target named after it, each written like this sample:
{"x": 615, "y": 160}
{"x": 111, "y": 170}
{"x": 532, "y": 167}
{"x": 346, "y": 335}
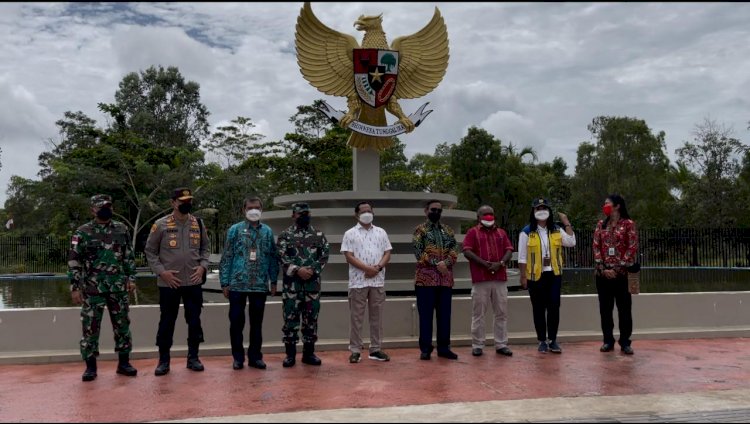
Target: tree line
{"x": 157, "y": 136}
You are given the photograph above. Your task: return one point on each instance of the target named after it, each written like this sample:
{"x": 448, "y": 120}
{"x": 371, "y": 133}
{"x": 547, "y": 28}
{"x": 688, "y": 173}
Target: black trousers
{"x": 169, "y": 305}
{"x": 611, "y": 292}
{"x": 545, "y": 302}
{"x": 237, "y": 302}
{"x": 434, "y": 300}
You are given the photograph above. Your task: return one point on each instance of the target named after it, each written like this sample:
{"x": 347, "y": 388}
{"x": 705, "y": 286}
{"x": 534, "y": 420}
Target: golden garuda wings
{"x": 372, "y": 76}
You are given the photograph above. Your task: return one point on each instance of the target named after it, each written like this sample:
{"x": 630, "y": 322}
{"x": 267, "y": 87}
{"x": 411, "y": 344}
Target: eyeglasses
{"x": 436, "y": 210}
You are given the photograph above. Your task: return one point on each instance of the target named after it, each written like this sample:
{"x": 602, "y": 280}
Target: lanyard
{"x": 541, "y": 241}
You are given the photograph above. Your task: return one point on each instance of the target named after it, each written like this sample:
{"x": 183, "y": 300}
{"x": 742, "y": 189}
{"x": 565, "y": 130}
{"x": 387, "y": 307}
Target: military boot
{"x": 90, "y": 373}
{"x": 163, "y": 367}
{"x": 308, "y": 355}
{"x": 124, "y": 367}
{"x": 291, "y": 353}
{"x": 192, "y": 359}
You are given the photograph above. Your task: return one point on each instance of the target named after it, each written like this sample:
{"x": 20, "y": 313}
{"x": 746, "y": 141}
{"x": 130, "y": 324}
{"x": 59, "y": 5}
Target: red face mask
{"x": 607, "y": 209}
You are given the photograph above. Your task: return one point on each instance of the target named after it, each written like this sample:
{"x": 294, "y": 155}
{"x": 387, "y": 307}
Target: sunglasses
{"x": 436, "y": 210}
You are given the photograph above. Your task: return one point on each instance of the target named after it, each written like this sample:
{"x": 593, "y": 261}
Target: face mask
{"x": 488, "y": 220}
{"x": 185, "y": 208}
{"x": 105, "y": 214}
{"x": 541, "y": 215}
{"x": 366, "y": 218}
{"x": 303, "y": 220}
{"x": 607, "y": 209}
{"x": 253, "y": 214}
{"x": 434, "y": 217}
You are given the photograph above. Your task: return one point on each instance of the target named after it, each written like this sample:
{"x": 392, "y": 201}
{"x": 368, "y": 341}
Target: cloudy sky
{"x": 530, "y": 73}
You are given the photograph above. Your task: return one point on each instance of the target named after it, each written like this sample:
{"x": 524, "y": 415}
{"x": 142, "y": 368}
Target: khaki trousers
{"x": 483, "y": 294}
{"x": 374, "y": 299}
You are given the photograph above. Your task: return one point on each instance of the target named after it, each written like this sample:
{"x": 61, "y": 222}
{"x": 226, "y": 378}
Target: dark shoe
{"x": 447, "y": 355}
{"x": 90, "y": 373}
{"x": 126, "y": 369}
{"x": 477, "y": 351}
{"x": 554, "y": 347}
{"x": 308, "y": 355}
{"x": 504, "y": 351}
{"x": 606, "y": 347}
{"x": 543, "y": 347}
{"x": 355, "y": 357}
{"x": 194, "y": 363}
{"x": 379, "y": 356}
{"x": 258, "y": 363}
{"x": 627, "y": 350}
{"x": 425, "y": 356}
{"x": 311, "y": 359}
{"x": 237, "y": 365}
{"x": 162, "y": 368}
{"x": 291, "y": 352}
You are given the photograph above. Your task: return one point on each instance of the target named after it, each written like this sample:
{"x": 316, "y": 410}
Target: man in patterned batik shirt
{"x": 436, "y": 250}
{"x": 367, "y": 250}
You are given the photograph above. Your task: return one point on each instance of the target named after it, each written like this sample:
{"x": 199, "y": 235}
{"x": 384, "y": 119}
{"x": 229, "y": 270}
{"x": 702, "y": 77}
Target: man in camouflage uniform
{"x": 303, "y": 253}
{"x": 101, "y": 272}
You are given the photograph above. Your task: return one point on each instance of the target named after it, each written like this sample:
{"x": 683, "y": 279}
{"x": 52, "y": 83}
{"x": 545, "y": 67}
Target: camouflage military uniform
{"x": 300, "y": 247}
{"x": 101, "y": 265}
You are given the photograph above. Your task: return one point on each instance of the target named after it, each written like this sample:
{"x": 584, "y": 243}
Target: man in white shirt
{"x": 367, "y": 250}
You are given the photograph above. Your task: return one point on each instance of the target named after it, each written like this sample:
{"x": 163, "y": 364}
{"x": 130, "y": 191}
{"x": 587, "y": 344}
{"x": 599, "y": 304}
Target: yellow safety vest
{"x": 534, "y": 254}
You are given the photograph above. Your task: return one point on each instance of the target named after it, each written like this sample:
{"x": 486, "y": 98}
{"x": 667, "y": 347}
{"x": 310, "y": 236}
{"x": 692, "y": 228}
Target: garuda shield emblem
{"x": 382, "y": 73}
{"x": 375, "y": 75}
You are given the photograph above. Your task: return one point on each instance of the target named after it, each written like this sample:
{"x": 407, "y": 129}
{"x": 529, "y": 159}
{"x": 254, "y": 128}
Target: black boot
{"x": 291, "y": 353}
{"x": 124, "y": 367}
{"x": 192, "y": 359}
{"x": 308, "y": 355}
{"x": 163, "y": 367}
{"x": 90, "y": 373}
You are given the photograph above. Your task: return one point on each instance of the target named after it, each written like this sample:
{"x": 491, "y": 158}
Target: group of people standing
{"x": 102, "y": 272}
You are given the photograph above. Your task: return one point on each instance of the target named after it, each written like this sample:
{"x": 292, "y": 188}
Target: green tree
{"x": 484, "y": 171}
{"x": 149, "y": 146}
{"x": 161, "y": 107}
{"x": 234, "y": 142}
{"x": 714, "y": 157}
{"x": 626, "y": 158}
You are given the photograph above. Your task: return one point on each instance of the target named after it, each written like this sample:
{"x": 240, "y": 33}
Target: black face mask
{"x": 303, "y": 220}
{"x": 434, "y": 217}
{"x": 185, "y": 208}
{"x": 105, "y": 214}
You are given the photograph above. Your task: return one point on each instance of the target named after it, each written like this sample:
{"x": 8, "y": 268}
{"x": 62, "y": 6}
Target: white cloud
{"x": 534, "y": 74}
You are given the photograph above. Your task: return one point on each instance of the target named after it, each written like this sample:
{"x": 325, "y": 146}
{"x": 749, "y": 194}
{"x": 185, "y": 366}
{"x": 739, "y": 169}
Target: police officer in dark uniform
{"x": 303, "y": 252}
{"x": 177, "y": 250}
{"x": 101, "y": 269}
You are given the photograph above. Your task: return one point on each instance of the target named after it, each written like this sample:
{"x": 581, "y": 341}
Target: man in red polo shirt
{"x": 488, "y": 250}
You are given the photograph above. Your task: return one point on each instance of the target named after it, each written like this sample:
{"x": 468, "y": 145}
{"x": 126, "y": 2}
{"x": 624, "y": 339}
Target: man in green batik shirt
{"x": 101, "y": 269}
{"x": 303, "y": 252}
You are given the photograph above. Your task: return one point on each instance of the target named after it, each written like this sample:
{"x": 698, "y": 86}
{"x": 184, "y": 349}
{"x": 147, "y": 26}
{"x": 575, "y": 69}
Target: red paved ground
{"x": 56, "y": 393}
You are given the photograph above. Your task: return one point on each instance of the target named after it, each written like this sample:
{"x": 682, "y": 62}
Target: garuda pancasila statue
{"x": 372, "y": 76}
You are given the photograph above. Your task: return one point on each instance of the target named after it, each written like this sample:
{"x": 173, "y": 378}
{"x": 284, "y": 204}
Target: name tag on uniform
{"x": 611, "y": 251}
{"x": 253, "y": 255}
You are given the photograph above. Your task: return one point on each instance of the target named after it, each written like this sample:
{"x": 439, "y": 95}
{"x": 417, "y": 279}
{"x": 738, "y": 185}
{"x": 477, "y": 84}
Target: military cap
{"x": 100, "y": 200}
{"x": 300, "y": 207}
{"x": 540, "y": 201}
{"x": 182, "y": 193}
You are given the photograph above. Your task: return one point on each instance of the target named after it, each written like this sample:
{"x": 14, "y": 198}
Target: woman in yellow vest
{"x": 540, "y": 262}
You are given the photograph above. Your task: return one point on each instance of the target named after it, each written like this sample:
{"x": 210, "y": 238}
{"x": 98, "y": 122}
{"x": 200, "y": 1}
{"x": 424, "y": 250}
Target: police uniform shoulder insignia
{"x": 154, "y": 227}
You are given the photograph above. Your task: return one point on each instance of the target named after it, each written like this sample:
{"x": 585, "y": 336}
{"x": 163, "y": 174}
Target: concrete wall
{"x": 52, "y": 334}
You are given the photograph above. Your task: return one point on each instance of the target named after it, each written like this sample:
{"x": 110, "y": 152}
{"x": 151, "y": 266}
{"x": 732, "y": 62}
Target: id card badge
{"x": 253, "y": 255}
{"x": 611, "y": 251}
{"x": 546, "y": 262}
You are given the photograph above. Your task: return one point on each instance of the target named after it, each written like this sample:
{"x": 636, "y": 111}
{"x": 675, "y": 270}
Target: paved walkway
{"x": 663, "y": 379}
